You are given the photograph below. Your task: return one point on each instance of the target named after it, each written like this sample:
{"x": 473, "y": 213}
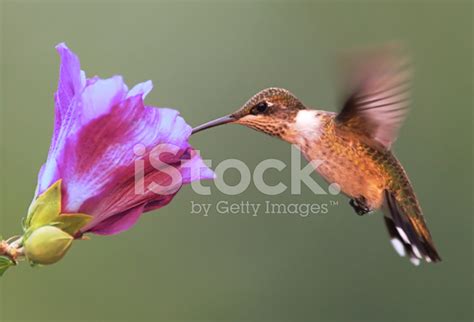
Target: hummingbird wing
{"x": 377, "y": 94}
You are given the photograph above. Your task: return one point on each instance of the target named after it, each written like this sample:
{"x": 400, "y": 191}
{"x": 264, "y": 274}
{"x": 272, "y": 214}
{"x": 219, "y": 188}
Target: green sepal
{"x": 45, "y": 209}
{"x": 71, "y": 223}
{"x": 5, "y": 263}
{"x": 23, "y": 223}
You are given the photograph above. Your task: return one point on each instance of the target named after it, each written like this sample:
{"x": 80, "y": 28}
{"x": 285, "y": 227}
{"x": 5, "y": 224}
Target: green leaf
{"x": 46, "y": 208}
{"x": 72, "y": 223}
{"x": 5, "y": 263}
{"x": 3, "y": 270}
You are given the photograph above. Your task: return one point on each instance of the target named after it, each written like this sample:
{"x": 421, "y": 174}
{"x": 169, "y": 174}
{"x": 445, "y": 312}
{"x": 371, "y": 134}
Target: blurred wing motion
{"x": 377, "y": 87}
{"x": 377, "y": 84}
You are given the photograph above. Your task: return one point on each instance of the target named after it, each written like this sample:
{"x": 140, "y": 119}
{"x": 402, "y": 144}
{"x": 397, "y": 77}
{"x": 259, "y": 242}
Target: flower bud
{"x": 47, "y": 245}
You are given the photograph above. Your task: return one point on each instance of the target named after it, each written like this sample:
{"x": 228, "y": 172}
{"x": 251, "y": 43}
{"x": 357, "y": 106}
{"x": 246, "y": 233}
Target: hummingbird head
{"x": 269, "y": 111}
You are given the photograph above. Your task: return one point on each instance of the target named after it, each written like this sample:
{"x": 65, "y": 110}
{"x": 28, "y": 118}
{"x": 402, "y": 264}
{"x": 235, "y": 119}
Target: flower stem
{"x": 12, "y": 248}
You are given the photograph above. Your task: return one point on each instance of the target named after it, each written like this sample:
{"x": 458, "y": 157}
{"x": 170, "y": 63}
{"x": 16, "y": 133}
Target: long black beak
{"x": 222, "y": 120}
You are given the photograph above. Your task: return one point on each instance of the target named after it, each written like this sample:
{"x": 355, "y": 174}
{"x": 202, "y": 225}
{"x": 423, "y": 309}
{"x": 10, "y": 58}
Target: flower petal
{"x": 71, "y": 79}
{"x": 99, "y": 97}
{"x": 195, "y": 169}
{"x": 107, "y": 143}
{"x": 119, "y": 222}
{"x": 141, "y": 89}
{"x": 98, "y": 164}
{"x": 70, "y": 84}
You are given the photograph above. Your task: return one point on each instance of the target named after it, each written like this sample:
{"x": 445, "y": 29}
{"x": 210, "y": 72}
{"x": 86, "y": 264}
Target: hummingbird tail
{"x": 408, "y": 231}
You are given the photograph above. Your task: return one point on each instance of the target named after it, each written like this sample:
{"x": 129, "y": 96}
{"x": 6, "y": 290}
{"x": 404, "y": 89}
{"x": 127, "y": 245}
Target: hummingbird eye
{"x": 259, "y": 108}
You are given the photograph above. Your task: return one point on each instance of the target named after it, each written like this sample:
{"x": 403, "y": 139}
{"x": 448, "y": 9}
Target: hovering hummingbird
{"x": 354, "y": 144}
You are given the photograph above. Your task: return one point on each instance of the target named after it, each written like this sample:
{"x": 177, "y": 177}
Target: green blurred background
{"x": 206, "y": 58}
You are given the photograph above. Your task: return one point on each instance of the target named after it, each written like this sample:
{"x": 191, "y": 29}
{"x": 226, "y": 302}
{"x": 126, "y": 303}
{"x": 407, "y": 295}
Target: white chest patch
{"x": 308, "y": 124}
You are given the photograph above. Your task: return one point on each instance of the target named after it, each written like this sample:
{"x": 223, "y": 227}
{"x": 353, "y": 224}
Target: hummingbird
{"x": 354, "y": 144}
